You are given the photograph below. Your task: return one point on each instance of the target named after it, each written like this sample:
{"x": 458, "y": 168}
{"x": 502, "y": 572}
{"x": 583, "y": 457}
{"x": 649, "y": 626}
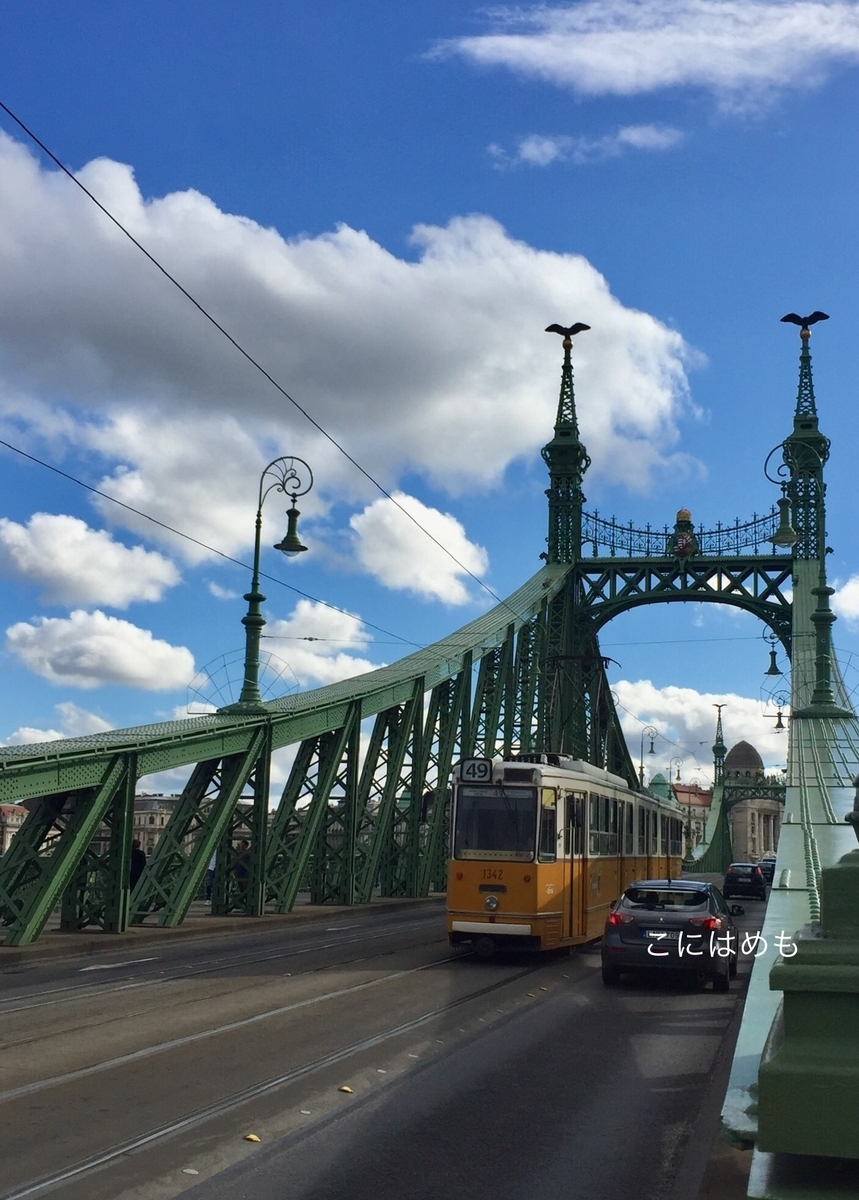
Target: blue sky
{"x": 387, "y": 204}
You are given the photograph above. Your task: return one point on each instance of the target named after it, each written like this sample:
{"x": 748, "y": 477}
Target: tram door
{"x": 575, "y": 873}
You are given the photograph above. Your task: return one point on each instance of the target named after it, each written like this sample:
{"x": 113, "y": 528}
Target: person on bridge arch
{"x": 138, "y": 862}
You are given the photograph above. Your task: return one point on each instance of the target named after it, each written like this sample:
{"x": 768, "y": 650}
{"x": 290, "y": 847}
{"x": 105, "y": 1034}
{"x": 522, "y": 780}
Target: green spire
{"x": 805, "y": 452}
{"x": 719, "y": 748}
{"x": 805, "y": 406}
{"x": 567, "y": 460}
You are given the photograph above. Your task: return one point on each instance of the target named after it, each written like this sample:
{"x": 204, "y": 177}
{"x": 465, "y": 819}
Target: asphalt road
{"x": 503, "y": 1079}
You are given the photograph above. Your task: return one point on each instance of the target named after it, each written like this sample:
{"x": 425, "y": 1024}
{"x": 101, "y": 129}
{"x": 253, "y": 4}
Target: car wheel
{"x": 610, "y": 975}
{"x": 722, "y": 983}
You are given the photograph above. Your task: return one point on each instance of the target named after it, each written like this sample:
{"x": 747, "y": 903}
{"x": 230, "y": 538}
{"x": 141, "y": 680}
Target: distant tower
{"x": 805, "y": 452}
{"x": 567, "y": 460}
{"x": 719, "y": 749}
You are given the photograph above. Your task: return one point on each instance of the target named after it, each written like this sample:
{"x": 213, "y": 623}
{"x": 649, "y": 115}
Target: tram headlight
{"x": 491, "y": 903}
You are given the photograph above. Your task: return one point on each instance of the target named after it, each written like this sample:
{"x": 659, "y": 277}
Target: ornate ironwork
{"x": 610, "y": 538}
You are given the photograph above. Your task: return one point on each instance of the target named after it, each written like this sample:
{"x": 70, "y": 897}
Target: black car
{"x": 745, "y": 879}
{"x": 767, "y": 866}
{"x": 671, "y": 924}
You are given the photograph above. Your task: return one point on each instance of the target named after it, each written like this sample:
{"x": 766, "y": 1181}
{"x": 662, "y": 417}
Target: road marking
{"x": 38, "y": 1187}
{"x": 115, "y": 966}
{"x": 40, "y": 1085}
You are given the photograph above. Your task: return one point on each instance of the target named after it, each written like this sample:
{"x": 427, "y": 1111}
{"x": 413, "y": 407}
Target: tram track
{"x": 87, "y": 991}
{"x": 130, "y": 1014}
{"x": 35, "y": 1187}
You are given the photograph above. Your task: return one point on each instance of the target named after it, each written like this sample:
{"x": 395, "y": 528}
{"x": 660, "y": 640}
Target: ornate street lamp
{"x": 675, "y": 765}
{"x": 651, "y": 732}
{"x": 293, "y": 477}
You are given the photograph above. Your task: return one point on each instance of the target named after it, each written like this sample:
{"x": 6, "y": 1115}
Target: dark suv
{"x": 671, "y": 924}
{"x": 767, "y": 866}
{"x": 745, "y": 879}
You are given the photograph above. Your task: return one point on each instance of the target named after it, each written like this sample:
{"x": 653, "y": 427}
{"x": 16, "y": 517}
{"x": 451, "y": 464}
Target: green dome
{"x": 660, "y": 786}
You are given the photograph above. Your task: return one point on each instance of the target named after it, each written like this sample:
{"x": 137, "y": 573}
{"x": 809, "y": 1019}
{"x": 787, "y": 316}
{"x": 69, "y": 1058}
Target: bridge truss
{"x": 365, "y": 806}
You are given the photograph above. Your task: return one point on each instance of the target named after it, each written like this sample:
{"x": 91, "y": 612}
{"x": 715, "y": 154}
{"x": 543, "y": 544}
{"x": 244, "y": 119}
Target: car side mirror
{"x": 737, "y": 910}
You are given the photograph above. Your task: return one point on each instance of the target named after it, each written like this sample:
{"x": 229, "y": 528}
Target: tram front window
{"x": 495, "y": 823}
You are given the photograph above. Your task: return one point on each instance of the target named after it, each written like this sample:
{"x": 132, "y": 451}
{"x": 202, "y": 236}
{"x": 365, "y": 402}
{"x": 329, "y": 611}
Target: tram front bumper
{"x": 490, "y": 928}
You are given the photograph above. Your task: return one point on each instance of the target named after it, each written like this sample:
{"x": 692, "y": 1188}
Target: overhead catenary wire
{"x": 248, "y": 356}
{"x": 196, "y": 541}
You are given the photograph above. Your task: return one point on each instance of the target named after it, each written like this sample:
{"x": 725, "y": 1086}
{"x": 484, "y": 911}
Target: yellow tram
{"x": 542, "y": 845}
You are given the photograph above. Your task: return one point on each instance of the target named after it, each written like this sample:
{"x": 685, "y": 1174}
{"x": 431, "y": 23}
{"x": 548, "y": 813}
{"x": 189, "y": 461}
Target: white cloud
{"x": 313, "y": 641}
{"x": 686, "y": 720}
{"x": 436, "y": 364}
{"x": 845, "y": 602}
{"x": 743, "y": 51}
{"x": 539, "y": 150}
{"x": 222, "y": 593}
{"x": 390, "y": 547}
{"x": 87, "y": 650}
{"x": 74, "y": 721}
{"x": 78, "y": 565}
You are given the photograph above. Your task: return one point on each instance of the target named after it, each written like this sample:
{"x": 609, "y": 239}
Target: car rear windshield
{"x": 663, "y": 898}
{"x": 740, "y": 870}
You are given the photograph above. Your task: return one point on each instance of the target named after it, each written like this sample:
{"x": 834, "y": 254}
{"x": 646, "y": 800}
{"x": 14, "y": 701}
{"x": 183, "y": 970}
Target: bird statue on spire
{"x": 568, "y": 333}
{"x": 804, "y": 322}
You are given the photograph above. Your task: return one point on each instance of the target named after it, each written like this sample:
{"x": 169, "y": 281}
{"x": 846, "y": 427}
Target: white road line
{"x": 41, "y": 1085}
{"x": 189, "y": 971}
{"x": 39, "y": 1186}
{"x": 129, "y": 962}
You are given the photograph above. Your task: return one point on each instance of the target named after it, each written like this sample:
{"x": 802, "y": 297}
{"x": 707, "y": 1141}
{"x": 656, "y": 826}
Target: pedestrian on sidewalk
{"x": 242, "y": 870}
{"x": 210, "y": 878}
{"x": 138, "y": 862}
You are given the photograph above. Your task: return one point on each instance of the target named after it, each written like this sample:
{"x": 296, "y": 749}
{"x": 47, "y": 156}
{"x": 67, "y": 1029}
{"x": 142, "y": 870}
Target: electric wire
{"x": 196, "y": 541}
{"x": 248, "y": 356}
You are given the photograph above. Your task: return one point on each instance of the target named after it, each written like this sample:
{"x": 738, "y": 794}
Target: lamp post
{"x": 293, "y": 477}
{"x": 675, "y": 765}
{"x": 651, "y": 732}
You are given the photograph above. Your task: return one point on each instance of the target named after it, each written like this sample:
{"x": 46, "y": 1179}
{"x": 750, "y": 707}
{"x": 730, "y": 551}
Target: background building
{"x": 11, "y": 819}
{"x": 755, "y": 815}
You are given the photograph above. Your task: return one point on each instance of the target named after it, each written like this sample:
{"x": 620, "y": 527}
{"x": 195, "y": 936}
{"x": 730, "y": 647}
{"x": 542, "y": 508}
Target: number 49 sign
{"x": 476, "y": 770}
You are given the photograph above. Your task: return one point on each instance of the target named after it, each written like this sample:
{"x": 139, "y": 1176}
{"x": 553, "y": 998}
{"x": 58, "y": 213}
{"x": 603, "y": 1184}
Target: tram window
{"x": 628, "y": 829}
{"x": 548, "y": 827}
{"x": 663, "y": 834}
{"x": 603, "y": 825}
{"x": 612, "y": 839}
{"x": 654, "y": 834}
{"x": 676, "y": 835}
{"x": 642, "y": 831}
{"x": 570, "y": 822}
{"x": 594, "y": 824}
{"x": 574, "y": 829}
{"x": 492, "y": 822}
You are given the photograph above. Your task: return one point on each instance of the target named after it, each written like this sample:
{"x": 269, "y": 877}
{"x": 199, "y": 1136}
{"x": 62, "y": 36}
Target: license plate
{"x": 663, "y": 935}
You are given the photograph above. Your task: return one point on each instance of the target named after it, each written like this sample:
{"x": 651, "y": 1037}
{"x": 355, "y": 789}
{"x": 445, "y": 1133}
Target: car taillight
{"x": 757, "y": 870}
{"x": 617, "y": 918}
{"x": 707, "y": 922}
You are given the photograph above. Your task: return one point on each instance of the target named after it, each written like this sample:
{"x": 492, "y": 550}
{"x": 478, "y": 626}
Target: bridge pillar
{"x": 809, "y": 1079}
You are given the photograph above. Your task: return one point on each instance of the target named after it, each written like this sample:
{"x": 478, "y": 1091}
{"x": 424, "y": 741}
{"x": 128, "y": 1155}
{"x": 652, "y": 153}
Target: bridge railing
{"x": 794, "y": 1086}
{"x": 612, "y": 539}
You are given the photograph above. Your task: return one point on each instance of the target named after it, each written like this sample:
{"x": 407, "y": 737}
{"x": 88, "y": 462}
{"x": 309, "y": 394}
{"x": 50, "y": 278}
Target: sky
{"x": 385, "y": 205}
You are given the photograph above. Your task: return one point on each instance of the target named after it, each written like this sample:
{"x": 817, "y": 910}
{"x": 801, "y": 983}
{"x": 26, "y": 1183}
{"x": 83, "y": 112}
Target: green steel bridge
{"x": 366, "y": 802}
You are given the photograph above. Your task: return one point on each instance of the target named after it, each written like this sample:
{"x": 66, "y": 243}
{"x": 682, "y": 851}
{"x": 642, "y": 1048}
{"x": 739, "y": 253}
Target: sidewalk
{"x": 199, "y": 923}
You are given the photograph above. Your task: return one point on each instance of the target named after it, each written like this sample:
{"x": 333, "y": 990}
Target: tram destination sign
{"x": 476, "y": 770}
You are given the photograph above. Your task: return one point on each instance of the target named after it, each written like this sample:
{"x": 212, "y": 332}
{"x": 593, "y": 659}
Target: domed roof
{"x": 743, "y": 757}
{"x": 660, "y": 786}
